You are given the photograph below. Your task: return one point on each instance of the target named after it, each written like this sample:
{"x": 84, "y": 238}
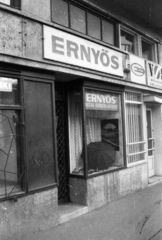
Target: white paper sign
{"x": 67, "y": 48}
{"x": 5, "y": 85}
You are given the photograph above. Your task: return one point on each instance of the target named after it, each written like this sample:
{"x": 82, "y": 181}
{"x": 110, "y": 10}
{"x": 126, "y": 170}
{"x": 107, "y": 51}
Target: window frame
{"x": 34, "y": 77}
{"x": 136, "y": 39}
{"x": 86, "y": 175}
{"x": 143, "y": 133}
{"x": 19, "y": 108}
{"x": 153, "y": 49}
{"x": 94, "y": 13}
{"x": 139, "y": 38}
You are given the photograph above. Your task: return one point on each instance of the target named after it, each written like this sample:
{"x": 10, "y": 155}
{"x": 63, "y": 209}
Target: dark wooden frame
{"x": 7, "y": 70}
{"x": 94, "y": 85}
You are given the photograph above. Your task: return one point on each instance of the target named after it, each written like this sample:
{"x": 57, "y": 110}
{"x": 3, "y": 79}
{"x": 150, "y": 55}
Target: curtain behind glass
{"x": 134, "y": 131}
{"x": 93, "y": 132}
{"x": 75, "y": 133}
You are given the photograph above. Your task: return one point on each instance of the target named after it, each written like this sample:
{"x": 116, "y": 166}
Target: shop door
{"x": 63, "y": 190}
{"x": 150, "y": 140}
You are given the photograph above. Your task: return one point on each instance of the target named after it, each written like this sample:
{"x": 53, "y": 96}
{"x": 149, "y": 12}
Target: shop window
{"x": 134, "y": 128}
{"x": 12, "y": 3}
{"x": 78, "y": 19}
{"x": 128, "y": 42}
{"x": 103, "y": 132}
{"x": 94, "y": 26}
{"x": 108, "y": 34}
{"x": 147, "y": 50}
{"x": 10, "y": 138}
{"x": 39, "y": 134}
{"x": 26, "y": 137}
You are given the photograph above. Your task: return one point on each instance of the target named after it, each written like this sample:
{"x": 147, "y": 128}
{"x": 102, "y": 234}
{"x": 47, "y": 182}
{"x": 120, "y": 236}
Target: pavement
{"x": 134, "y": 217}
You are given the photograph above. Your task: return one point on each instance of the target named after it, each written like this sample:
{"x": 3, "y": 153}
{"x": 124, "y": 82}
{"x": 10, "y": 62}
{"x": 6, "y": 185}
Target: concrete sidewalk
{"x": 135, "y": 217}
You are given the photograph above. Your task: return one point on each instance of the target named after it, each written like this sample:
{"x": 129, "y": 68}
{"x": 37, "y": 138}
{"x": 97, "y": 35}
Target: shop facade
{"x": 80, "y": 116}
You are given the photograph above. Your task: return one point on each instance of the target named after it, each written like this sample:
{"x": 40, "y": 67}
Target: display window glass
{"x": 39, "y": 134}
{"x": 10, "y": 138}
{"x": 27, "y": 153}
{"x": 101, "y": 149}
{"x": 104, "y": 131}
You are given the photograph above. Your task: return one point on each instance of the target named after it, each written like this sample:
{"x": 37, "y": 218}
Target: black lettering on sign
{"x": 85, "y": 53}
{"x": 96, "y": 55}
{"x": 56, "y": 47}
{"x": 72, "y": 47}
{"x": 104, "y": 59}
{"x": 115, "y": 64}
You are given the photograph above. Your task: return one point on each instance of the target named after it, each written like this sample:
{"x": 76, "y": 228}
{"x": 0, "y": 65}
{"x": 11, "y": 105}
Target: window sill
{"x": 98, "y": 173}
{"x": 15, "y": 196}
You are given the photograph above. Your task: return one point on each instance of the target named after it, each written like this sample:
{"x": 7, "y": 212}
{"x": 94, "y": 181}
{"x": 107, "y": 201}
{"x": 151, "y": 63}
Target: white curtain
{"x": 93, "y": 131}
{"x": 75, "y": 130}
{"x": 133, "y": 131}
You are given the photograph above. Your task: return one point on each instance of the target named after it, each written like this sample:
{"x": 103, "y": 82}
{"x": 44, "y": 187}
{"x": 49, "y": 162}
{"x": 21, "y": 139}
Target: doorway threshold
{"x": 68, "y": 211}
{"x": 154, "y": 180}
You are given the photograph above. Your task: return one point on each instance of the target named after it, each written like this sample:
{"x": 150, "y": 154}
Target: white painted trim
{"x": 136, "y": 163}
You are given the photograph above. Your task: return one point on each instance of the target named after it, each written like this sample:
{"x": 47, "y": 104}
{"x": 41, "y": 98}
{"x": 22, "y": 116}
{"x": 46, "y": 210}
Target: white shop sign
{"x": 5, "y": 85}
{"x": 154, "y": 74}
{"x": 101, "y": 102}
{"x": 67, "y": 48}
{"x": 137, "y": 70}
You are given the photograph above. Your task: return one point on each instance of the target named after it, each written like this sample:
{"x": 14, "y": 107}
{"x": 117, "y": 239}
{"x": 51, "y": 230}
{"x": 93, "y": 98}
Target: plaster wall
{"x": 98, "y": 191}
{"x": 30, "y": 213}
{"x": 37, "y": 8}
{"x": 20, "y": 37}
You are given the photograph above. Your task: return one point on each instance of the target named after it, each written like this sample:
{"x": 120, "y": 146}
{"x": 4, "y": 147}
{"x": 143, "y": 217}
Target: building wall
{"x": 98, "y": 191}
{"x": 22, "y": 38}
{"x": 157, "y": 123}
{"x": 30, "y": 213}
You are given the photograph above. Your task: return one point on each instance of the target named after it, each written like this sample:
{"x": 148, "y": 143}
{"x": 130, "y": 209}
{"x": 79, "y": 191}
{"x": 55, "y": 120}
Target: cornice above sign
{"x": 66, "y": 48}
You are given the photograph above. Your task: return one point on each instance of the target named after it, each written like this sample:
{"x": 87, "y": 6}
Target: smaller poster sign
{"x": 154, "y": 74}
{"x": 5, "y": 85}
{"x": 102, "y": 102}
{"x": 137, "y": 70}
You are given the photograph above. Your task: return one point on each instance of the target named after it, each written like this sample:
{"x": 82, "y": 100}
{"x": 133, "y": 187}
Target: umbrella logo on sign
{"x": 137, "y": 69}
{"x": 109, "y": 126}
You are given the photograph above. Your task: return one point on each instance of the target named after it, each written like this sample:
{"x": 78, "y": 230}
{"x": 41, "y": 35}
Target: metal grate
{"x": 63, "y": 192}
{"x": 10, "y": 179}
